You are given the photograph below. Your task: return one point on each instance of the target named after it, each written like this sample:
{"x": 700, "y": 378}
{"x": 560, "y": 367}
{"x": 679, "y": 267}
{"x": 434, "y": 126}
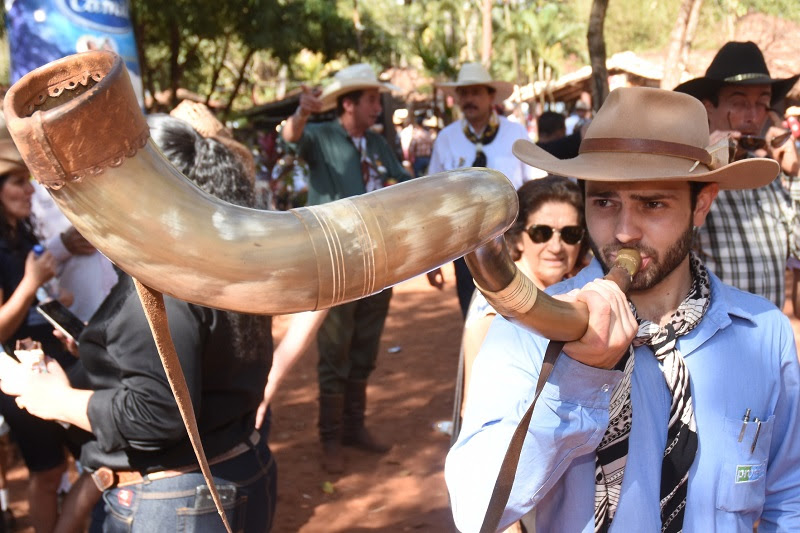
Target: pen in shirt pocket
{"x": 755, "y": 438}
{"x": 745, "y": 420}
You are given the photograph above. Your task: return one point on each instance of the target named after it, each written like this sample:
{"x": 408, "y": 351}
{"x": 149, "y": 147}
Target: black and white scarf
{"x": 488, "y": 135}
{"x": 681, "y": 431}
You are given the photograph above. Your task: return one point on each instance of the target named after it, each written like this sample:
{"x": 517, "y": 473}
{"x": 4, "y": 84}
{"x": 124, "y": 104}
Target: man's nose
{"x": 628, "y": 229}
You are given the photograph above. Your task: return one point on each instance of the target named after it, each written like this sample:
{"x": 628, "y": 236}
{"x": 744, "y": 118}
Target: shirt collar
{"x": 493, "y": 119}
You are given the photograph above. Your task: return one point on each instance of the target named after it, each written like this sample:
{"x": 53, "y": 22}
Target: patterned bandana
{"x": 373, "y": 173}
{"x": 681, "y": 431}
{"x": 489, "y": 133}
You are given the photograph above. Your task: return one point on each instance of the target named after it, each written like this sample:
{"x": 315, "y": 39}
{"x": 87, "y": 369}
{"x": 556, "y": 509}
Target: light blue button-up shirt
{"x": 741, "y": 356}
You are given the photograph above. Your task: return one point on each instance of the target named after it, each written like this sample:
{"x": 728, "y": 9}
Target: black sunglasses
{"x": 754, "y": 142}
{"x": 541, "y": 233}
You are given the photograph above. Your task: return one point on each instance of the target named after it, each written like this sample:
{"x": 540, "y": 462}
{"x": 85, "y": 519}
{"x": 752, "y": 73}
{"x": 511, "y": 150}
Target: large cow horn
{"x": 77, "y": 117}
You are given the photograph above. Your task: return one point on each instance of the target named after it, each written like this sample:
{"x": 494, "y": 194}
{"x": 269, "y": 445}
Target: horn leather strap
{"x": 646, "y": 146}
{"x": 156, "y": 313}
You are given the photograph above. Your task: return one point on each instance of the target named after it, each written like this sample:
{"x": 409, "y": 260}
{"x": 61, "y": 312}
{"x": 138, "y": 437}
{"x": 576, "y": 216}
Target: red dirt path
{"x": 410, "y": 390}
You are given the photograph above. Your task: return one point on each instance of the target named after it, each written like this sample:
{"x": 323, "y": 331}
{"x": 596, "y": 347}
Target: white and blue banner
{"x": 40, "y": 31}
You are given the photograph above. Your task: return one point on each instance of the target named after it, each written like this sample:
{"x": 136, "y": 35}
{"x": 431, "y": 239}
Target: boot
{"x": 330, "y": 432}
{"x": 355, "y": 434}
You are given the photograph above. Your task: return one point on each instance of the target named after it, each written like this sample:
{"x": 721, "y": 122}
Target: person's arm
{"x": 294, "y": 344}
{"x": 569, "y": 422}
{"x": 14, "y": 311}
{"x": 292, "y": 131}
{"x": 781, "y": 511}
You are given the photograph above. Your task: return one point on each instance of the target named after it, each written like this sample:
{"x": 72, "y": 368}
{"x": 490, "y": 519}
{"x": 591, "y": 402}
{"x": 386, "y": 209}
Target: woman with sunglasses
{"x": 547, "y": 244}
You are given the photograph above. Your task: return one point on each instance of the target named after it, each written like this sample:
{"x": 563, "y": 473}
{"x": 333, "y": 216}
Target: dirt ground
{"x": 409, "y": 392}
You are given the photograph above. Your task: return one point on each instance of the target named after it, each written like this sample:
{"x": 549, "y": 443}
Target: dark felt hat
{"x": 737, "y": 63}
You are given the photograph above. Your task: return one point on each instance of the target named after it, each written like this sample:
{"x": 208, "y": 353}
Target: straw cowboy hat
{"x": 353, "y": 78}
{"x": 643, "y": 134}
{"x": 10, "y": 159}
{"x": 476, "y": 74}
{"x": 740, "y": 64}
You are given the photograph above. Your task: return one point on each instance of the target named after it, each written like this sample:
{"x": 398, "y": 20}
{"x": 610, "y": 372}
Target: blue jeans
{"x": 247, "y": 485}
{"x": 421, "y": 166}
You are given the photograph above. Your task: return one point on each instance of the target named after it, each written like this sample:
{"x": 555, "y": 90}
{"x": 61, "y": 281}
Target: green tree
{"x": 544, "y": 34}
{"x": 208, "y": 47}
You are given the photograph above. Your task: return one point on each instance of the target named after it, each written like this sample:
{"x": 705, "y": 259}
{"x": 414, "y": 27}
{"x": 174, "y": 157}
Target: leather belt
{"x": 105, "y": 478}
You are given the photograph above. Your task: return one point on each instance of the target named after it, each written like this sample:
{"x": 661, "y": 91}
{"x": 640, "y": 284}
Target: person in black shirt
{"x": 126, "y": 402}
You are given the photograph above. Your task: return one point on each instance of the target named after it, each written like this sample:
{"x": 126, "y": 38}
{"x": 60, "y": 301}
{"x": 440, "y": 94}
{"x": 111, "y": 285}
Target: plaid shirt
{"x": 421, "y": 143}
{"x": 748, "y": 236}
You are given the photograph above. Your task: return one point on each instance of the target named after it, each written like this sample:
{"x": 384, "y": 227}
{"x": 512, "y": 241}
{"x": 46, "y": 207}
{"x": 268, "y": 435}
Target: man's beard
{"x": 657, "y": 268}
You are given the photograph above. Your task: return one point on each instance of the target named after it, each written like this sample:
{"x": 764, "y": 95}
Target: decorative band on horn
{"x": 345, "y": 240}
{"x": 646, "y": 146}
{"x": 516, "y": 299}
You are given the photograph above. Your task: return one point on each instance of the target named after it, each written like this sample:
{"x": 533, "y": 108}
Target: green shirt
{"x": 335, "y": 163}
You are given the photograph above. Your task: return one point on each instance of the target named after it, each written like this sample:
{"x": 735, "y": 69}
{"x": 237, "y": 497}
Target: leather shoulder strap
{"x": 156, "y": 312}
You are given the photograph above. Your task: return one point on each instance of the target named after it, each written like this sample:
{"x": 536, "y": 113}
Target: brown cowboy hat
{"x": 737, "y": 63}
{"x": 643, "y": 134}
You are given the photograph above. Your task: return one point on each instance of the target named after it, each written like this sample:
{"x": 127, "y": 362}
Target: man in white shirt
{"x": 482, "y": 138}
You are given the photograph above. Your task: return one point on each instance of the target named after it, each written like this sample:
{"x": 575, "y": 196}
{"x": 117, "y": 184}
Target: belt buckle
{"x": 104, "y": 478}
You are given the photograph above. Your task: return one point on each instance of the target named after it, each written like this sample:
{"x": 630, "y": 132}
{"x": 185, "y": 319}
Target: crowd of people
{"x": 675, "y": 410}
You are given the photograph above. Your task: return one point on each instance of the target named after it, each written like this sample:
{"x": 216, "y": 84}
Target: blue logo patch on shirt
{"x": 749, "y": 473}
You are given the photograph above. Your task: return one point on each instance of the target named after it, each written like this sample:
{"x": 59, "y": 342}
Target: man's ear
{"x": 708, "y": 105}
{"x": 348, "y": 105}
{"x": 704, "y": 200}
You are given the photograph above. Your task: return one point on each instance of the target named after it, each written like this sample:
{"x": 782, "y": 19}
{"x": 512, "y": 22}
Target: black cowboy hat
{"x": 740, "y": 64}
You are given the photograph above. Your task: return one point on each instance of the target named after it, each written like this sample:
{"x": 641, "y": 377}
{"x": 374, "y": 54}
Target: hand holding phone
{"x": 62, "y": 319}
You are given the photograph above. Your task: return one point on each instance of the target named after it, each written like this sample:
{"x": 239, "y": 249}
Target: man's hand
{"x": 75, "y": 243}
{"x": 292, "y": 130}
{"x": 612, "y": 326}
{"x": 436, "y": 278}
{"x": 309, "y": 102}
{"x": 68, "y": 343}
{"x": 786, "y": 153}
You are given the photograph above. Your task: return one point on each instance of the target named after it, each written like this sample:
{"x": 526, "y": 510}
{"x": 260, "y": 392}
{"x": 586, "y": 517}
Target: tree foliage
{"x": 208, "y": 46}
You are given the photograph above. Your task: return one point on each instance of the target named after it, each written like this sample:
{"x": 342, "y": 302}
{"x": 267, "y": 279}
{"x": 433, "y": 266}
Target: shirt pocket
{"x": 742, "y": 480}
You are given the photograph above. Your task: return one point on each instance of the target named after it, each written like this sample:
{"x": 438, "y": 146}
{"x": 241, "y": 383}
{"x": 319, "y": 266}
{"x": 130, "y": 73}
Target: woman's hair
{"x": 207, "y": 162}
{"x": 533, "y": 195}
{"x": 24, "y": 229}
{"x": 212, "y": 166}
